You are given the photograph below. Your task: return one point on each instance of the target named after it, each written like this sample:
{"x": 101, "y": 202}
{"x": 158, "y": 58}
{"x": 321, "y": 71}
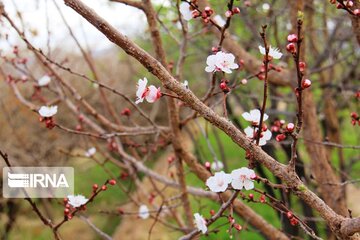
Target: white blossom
{"x": 95, "y": 85}
{"x": 254, "y": 116}
{"x": 186, "y": 11}
{"x": 154, "y": 94}
{"x": 44, "y": 81}
{"x": 90, "y": 152}
{"x": 242, "y": 178}
{"x": 217, "y": 166}
{"x": 46, "y": 111}
{"x": 144, "y": 212}
{"x": 200, "y": 223}
{"x": 76, "y": 201}
{"x": 219, "y": 20}
{"x": 185, "y": 84}
{"x": 219, "y": 182}
{"x": 273, "y": 52}
{"x": 221, "y": 62}
{"x": 151, "y": 93}
{"x": 265, "y": 136}
{"x": 266, "y": 7}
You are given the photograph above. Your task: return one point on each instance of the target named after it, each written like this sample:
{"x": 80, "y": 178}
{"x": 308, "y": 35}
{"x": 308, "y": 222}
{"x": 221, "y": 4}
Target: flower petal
{"x": 262, "y": 50}
{"x": 249, "y": 131}
{"x": 247, "y": 116}
{"x": 153, "y": 94}
{"x": 209, "y": 68}
{"x": 248, "y": 184}
{"x": 185, "y": 11}
{"x": 144, "y": 212}
{"x": 219, "y": 20}
{"x": 255, "y": 114}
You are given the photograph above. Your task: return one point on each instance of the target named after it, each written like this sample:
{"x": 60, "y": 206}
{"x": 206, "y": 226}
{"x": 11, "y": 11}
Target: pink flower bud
{"x": 339, "y": 6}
{"x": 306, "y": 83}
{"x": 24, "y": 78}
{"x": 195, "y": 14}
{"x": 292, "y": 38}
{"x": 357, "y": 95}
{"x": 354, "y": 115}
{"x": 280, "y": 137}
{"x": 261, "y": 76}
{"x": 244, "y": 81}
{"x": 237, "y": 226}
{"x": 349, "y": 4}
{"x": 214, "y": 49}
{"x": 66, "y": 211}
{"x": 171, "y": 159}
{"x": 357, "y": 12}
{"x": 212, "y": 212}
{"x": 81, "y": 118}
{"x": 95, "y": 187}
{"x": 112, "y": 182}
{"x": 236, "y": 10}
{"x": 291, "y": 48}
{"x": 294, "y": 221}
{"x": 222, "y": 85}
{"x": 103, "y": 187}
{"x": 124, "y": 175}
{"x": 78, "y": 127}
{"x": 302, "y": 66}
{"x": 126, "y": 112}
{"x": 247, "y": 3}
{"x": 207, "y": 165}
{"x": 228, "y": 13}
{"x": 253, "y": 177}
{"x": 120, "y": 211}
{"x": 251, "y": 196}
{"x": 289, "y": 214}
{"x": 290, "y": 127}
{"x": 262, "y": 69}
{"x": 275, "y": 128}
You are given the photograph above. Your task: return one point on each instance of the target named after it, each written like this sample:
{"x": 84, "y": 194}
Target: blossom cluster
{"x": 238, "y": 178}
{"x": 252, "y": 131}
{"x": 221, "y": 61}
{"x": 47, "y": 113}
{"x": 150, "y": 93}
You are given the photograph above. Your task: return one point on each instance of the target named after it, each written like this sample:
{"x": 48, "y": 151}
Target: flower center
{"x": 225, "y": 64}
{"x": 220, "y": 182}
{"x": 242, "y": 178}
{"x": 146, "y": 92}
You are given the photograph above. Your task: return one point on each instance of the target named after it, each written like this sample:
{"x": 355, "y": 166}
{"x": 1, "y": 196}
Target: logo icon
{"x": 16, "y": 180}
{"x": 38, "y": 182}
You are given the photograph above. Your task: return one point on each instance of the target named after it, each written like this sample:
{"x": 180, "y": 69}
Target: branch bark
{"x": 334, "y": 220}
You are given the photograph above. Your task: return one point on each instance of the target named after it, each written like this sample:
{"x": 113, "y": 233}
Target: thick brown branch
{"x": 280, "y": 170}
